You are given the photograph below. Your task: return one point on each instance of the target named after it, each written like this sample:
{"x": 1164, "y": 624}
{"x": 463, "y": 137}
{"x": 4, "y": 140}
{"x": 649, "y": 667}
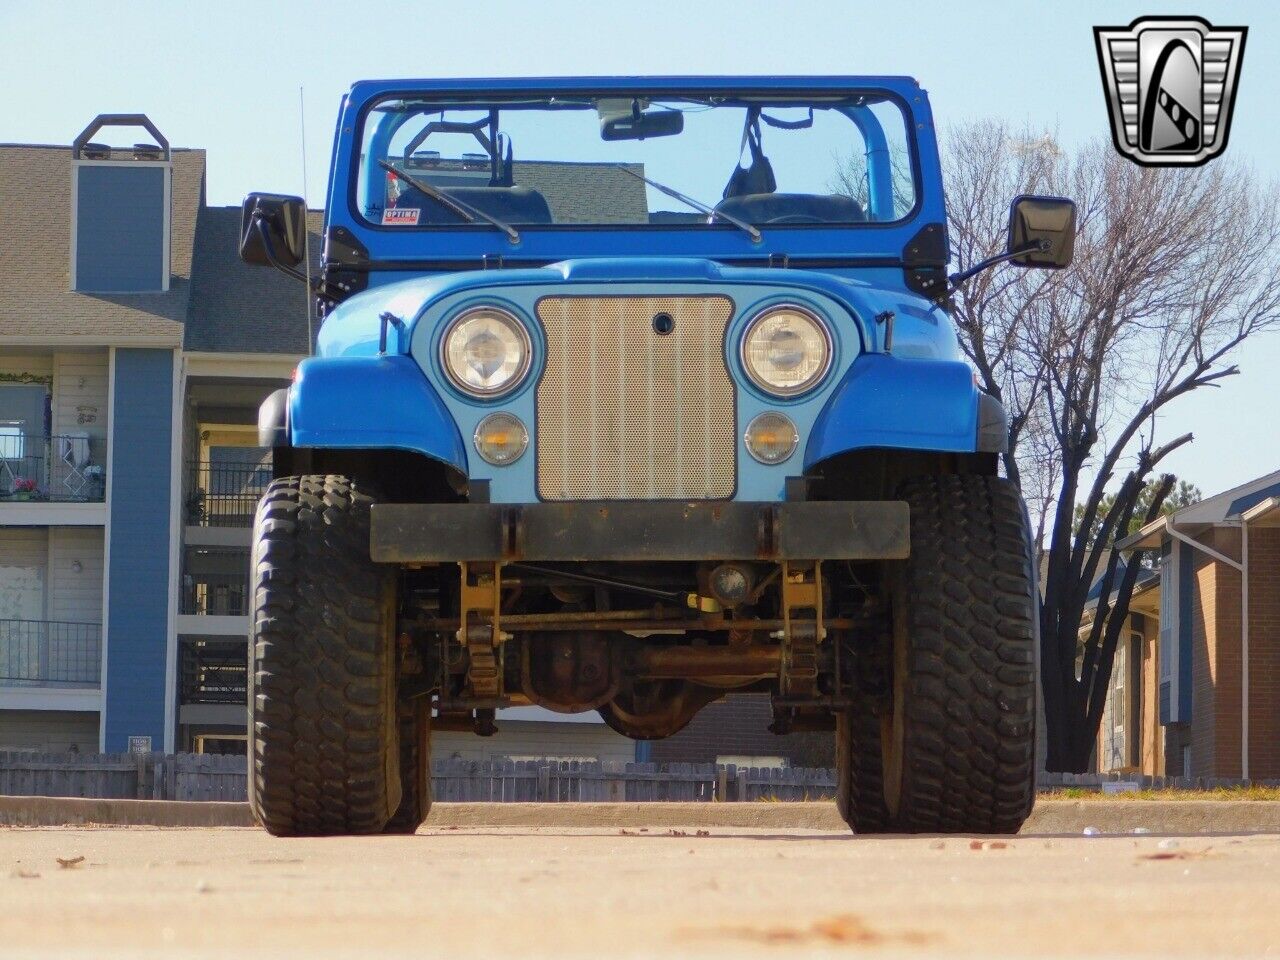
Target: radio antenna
{"x": 306, "y": 230}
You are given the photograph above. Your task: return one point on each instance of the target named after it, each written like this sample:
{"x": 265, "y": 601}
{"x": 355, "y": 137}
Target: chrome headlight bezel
{"x": 813, "y": 381}
{"x": 509, "y": 320}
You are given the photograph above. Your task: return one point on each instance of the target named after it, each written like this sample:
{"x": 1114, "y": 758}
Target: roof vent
{"x": 120, "y": 210}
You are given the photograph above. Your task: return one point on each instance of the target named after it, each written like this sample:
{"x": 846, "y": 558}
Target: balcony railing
{"x": 47, "y": 652}
{"x": 214, "y": 671}
{"x": 215, "y": 582}
{"x": 225, "y": 494}
{"x": 60, "y": 468}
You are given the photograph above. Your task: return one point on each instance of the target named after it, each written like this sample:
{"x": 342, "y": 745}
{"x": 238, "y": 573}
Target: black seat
{"x": 509, "y": 204}
{"x": 760, "y": 208}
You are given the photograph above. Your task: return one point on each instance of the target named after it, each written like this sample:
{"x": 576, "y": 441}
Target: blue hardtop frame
{"x": 867, "y": 244}
{"x": 375, "y": 383}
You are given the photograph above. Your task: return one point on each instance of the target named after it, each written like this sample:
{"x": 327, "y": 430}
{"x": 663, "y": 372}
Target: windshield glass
{"x": 547, "y": 161}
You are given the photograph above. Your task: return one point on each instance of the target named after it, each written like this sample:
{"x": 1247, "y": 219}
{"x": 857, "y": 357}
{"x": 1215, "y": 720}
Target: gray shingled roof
{"x": 238, "y": 308}
{"x": 36, "y": 301}
{"x": 227, "y": 306}
{"x": 587, "y": 192}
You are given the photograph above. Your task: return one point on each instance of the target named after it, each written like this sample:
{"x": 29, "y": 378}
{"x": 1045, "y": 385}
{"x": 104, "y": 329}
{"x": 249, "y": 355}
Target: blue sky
{"x": 225, "y": 76}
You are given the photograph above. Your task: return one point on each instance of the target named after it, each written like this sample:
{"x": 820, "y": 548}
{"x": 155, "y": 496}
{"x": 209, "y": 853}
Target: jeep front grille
{"x": 627, "y": 413}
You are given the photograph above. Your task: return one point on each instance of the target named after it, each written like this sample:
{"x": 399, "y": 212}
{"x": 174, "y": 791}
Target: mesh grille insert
{"x": 626, "y": 413}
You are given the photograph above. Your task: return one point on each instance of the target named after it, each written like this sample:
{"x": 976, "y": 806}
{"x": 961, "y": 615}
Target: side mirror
{"x": 1042, "y": 232}
{"x": 273, "y": 229}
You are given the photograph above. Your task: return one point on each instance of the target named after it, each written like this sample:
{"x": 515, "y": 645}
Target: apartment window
{"x": 12, "y": 440}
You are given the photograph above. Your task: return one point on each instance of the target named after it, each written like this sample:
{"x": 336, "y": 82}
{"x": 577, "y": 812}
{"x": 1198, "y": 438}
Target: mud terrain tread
{"x": 323, "y": 751}
{"x": 860, "y": 783}
{"x": 969, "y": 740}
{"x": 415, "y": 768}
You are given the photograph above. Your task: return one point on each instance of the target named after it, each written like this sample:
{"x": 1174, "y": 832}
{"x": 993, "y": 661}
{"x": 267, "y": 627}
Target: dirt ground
{"x": 564, "y": 892}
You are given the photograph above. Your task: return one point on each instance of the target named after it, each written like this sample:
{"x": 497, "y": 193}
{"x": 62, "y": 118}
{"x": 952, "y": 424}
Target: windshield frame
{"x": 495, "y": 92}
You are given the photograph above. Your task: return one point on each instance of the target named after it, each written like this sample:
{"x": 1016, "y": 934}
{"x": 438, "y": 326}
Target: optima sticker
{"x": 400, "y": 216}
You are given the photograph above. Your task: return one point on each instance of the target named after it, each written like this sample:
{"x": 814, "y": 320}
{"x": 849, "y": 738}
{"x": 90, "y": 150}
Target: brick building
{"x": 1196, "y": 685}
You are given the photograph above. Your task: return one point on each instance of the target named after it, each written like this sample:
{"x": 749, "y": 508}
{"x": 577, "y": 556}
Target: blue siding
{"x": 1186, "y": 584}
{"x": 120, "y": 217}
{"x": 138, "y": 581}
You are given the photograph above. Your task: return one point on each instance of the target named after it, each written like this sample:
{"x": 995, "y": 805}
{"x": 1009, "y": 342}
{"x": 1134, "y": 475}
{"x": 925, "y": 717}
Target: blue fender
{"x": 380, "y": 402}
{"x": 907, "y": 404}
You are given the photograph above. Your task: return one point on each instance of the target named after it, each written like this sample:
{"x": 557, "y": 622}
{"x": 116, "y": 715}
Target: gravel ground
{"x": 565, "y": 892}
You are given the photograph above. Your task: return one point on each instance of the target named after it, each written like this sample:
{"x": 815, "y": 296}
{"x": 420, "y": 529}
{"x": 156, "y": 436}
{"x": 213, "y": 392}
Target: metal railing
{"x": 225, "y": 494}
{"x": 60, "y": 468}
{"x": 215, "y": 582}
{"x": 49, "y": 651}
{"x": 214, "y": 671}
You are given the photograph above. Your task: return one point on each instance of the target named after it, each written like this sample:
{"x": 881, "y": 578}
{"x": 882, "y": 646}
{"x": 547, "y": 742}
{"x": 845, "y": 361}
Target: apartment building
{"x": 94, "y": 289}
{"x": 135, "y": 349}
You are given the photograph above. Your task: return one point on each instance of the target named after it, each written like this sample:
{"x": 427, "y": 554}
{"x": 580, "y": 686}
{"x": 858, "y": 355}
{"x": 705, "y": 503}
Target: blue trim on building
{"x": 120, "y": 228}
{"x": 1186, "y": 584}
{"x": 137, "y": 630}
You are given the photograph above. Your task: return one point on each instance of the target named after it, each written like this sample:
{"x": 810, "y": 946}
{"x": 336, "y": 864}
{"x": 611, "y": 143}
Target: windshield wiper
{"x": 464, "y": 210}
{"x": 698, "y": 205}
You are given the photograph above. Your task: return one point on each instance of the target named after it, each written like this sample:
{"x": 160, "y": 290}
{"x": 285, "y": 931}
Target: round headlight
{"x": 501, "y": 439}
{"x": 771, "y": 438}
{"x": 786, "y": 350}
{"x": 485, "y": 351}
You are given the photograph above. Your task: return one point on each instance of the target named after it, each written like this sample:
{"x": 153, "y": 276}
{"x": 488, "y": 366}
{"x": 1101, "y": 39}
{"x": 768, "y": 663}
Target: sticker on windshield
{"x": 400, "y": 216}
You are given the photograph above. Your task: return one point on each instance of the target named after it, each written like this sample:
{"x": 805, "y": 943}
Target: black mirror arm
{"x": 1038, "y": 246}
{"x": 259, "y": 223}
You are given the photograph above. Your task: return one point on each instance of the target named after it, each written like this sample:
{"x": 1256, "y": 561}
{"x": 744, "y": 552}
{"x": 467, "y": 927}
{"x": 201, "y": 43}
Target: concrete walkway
{"x": 1050, "y": 816}
{"x": 462, "y": 892}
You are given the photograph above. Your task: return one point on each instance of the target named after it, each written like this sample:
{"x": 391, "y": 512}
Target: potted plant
{"x": 24, "y": 488}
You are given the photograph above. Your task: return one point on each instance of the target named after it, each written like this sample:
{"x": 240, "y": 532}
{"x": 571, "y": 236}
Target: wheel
{"x": 955, "y": 751}
{"x": 859, "y": 784}
{"x": 323, "y": 752}
{"x": 415, "y": 768}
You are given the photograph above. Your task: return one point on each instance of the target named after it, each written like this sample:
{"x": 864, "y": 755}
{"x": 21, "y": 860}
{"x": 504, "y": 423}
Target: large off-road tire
{"x": 956, "y": 745}
{"x": 415, "y": 768}
{"x": 859, "y": 783}
{"x": 324, "y": 756}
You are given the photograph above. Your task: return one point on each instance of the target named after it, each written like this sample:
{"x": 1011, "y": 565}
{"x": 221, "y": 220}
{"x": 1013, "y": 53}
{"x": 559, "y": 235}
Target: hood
{"x": 921, "y": 327}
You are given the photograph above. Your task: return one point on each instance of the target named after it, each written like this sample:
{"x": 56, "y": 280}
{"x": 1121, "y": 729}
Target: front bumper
{"x": 644, "y": 530}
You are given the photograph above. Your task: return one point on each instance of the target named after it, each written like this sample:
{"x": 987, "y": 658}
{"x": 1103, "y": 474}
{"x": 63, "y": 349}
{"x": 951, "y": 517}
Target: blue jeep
{"x": 628, "y": 393}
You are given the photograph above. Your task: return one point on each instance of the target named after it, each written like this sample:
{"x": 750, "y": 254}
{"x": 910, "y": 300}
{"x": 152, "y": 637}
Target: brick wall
{"x": 1264, "y": 652}
{"x": 1215, "y": 729}
{"x": 1204, "y": 637}
{"x": 738, "y": 725}
{"x": 1150, "y": 736}
{"x": 1226, "y": 667}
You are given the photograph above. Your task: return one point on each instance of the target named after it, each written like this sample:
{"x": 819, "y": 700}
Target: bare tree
{"x": 1174, "y": 270}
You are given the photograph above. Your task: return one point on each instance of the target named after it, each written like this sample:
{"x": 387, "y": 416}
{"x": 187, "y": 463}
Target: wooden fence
{"x": 189, "y": 776}
{"x": 140, "y": 776}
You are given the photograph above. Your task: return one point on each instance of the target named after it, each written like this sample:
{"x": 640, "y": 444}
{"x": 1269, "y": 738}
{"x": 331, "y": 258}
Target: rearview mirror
{"x": 637, "y": 124}
{"x": 1042, "y": 232}
{"x": 272, "y": 229}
